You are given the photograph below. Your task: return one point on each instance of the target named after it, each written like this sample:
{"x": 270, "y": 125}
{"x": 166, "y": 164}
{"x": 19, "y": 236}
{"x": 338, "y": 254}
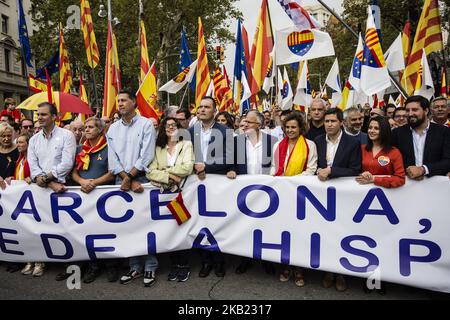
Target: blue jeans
{"x": 148, "y": 263}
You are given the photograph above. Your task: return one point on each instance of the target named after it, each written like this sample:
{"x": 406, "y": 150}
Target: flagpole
{"x": 184, "y": 94}
{"x": 93, "y": 74}
{"x": 394, "y": 81}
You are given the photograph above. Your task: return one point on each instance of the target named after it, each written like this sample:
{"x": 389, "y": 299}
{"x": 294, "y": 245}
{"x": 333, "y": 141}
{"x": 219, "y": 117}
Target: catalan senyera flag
{"x": 112, "y": 76}
{"x": 227, "y": 101}
{"x": 87, "y": 26}
{"x": 202, "y": 74}
{"x": 145, "y": 61}
{"x": 65, "y": 75}
{"x": 179, "y": 210}
{"x": 261, "y": 48}
{"x": 444, "y": 88}
{"x": 36, "y": 85}
{"x": 428, "y": 36}
{"x": 83, "y": 96}
{"x": 218, "y": 82}
{"x": 147, "y": 95}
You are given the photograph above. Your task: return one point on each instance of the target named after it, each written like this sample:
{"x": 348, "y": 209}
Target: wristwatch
{"x": 130, "y": 176}
{"x": 45, "y": 178}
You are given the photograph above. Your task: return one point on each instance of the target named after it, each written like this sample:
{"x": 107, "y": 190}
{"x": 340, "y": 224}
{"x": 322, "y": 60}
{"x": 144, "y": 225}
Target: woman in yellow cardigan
{"x": 174, "y": 160}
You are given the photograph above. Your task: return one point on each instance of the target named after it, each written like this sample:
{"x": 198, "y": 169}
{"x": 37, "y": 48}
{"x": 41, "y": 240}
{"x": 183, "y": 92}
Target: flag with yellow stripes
{"x": 203, "y": 78}
{"x": 179, "y": 210}
{"x": 65, "y": 74}
{"x": 428, "y": 36}
{"x": 87, "y": 26}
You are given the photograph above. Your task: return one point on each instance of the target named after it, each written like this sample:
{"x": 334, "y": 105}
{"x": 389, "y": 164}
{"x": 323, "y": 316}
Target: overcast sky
{"x": 250, "y": 10}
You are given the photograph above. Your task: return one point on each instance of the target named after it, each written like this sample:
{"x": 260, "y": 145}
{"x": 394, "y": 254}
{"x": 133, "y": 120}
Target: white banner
{"x": 400, "y": 235}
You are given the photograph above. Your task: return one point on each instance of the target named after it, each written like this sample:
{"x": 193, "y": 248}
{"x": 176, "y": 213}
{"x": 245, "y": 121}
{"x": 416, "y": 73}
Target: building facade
{"x": 13, "y": 69}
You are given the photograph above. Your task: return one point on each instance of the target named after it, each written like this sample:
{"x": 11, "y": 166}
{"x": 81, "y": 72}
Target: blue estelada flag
{"x": 185, "y": 58}
{"x": 23, "y": 34}
{"x": 241, "y": 87}
{"x": 52, "y": 67}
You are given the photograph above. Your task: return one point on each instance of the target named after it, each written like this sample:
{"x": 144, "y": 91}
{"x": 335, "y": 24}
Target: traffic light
{"x": 220, "y": 53}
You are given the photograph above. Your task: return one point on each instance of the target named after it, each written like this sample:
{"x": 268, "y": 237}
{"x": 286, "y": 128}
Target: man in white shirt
{"x": 51, "y": 152}
{"x": 131, "y": 148}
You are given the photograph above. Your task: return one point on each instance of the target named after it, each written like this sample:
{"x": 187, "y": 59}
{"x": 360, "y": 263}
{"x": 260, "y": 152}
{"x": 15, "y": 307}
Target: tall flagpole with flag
{"x": 241, "y": 88}
{"x": 203, "y": 77}
{"x": 90, "y": 43}
{"x": 428, "y": 36}
{"x": 144, "y": 61}
{"x": 65, "y": 74}
{"x": 112, "y": 80}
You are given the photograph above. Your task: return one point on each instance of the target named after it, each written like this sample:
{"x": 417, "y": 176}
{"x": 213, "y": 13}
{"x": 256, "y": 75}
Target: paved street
{"x": 255, "y": 284}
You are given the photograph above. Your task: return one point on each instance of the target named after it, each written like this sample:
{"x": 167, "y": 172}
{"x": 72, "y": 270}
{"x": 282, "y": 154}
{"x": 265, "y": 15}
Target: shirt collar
{"x": 203, "y": 129}
{"x": 51, "y": 133}
{"x": 424, "y": 131}
{"x": 133, "y": 120}
{"x": 351, "y": 134}
{"x": 337, "y": 140}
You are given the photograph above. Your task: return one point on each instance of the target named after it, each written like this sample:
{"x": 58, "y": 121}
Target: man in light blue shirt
{"x": 131, "y": 148}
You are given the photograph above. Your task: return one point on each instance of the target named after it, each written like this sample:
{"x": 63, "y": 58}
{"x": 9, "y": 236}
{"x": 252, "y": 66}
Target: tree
{"x": 163, "y": 20}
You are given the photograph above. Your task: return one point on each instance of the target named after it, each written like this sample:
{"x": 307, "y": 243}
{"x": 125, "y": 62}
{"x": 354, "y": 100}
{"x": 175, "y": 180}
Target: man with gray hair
{"x": 440, "y": 109}
{"x": 353, "y": 122}
{"x": 253, "y": 155}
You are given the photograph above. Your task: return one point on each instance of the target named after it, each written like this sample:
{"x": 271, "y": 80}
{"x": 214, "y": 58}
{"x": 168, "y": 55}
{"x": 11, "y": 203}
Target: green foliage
{"x": 163, "y": 21}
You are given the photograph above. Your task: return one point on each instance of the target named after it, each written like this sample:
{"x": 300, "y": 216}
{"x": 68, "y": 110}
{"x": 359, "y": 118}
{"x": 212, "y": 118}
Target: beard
{"x": 417, "y": 123}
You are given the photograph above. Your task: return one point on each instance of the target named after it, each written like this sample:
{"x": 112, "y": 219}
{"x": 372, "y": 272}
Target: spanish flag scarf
{"x": 84, "y": 157}
{"x": 297, "y": 159}
{"x": 22, "y": 169}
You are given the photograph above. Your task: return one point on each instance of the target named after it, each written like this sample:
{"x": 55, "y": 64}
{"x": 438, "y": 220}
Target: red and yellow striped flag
{"x": 406, "y": 40}
{"x": 428, "y": 36}
{"x": 444, "y": 88}
{"x": 65, "y": 74}
{"x": 202, "y": 78}
{"x": 83, "y": 97}
{"x": 112, "y": 76}
{"x": 227, "y": 100}
{"x": 145, "y": 62}
{"x": 87, "y": 26}
{"x": 261, "y": 48}
{"x": 179, "y": 210}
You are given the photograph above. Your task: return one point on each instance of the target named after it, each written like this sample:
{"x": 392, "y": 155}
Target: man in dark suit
{"x": 339, "y": 155}
{"x": 212, "y": 142}
{"x": 253, "y": 155}
{"x": 425, "y": 146}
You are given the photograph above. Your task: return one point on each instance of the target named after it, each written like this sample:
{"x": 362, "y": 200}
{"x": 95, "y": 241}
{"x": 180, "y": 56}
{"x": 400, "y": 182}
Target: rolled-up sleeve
{"x": 147, "y": 152}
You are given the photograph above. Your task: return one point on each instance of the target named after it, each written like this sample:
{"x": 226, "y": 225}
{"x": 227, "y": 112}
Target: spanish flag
{"x": 178, "y": 209}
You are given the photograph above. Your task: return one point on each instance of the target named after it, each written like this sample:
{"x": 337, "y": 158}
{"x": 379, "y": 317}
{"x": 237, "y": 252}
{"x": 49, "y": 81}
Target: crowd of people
{"x": 373, "y": 145}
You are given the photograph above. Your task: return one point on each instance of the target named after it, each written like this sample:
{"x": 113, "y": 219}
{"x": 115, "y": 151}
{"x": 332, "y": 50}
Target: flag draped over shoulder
{"x": 87, "y": 26}
{"x": 374, "y": 72}
{"x": 23, "y": 34}
{"x": 112, "y": 76}
{"x": 428, "y": 36}
{"x": 145, "y": 62}
{"x": 295, "y": 44}
{"x": 261, "y": 48}
{"x": 202, "y": 74}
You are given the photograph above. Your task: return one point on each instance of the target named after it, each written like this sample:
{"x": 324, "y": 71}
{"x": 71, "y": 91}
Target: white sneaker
{"x": 28, "y": 269}
{"x": 39, "y": 268}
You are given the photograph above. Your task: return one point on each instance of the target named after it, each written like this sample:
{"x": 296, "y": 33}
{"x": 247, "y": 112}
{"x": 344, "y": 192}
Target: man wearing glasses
{"x": 400, "y": 116}
{"x": 183, "y": 116}
{"x": 27, "y": 127}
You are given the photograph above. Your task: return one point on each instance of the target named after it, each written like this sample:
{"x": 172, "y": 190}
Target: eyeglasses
{"x": 399, "y": 117}
{"x": 171, "y": 125}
